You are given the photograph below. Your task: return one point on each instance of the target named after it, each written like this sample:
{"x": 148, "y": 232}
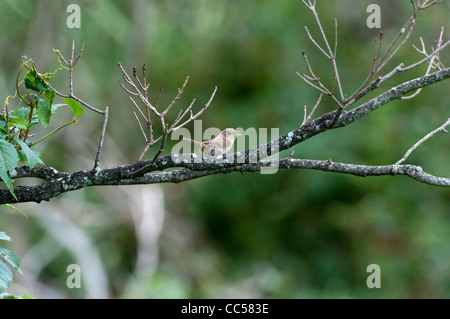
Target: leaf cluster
{"x": 34, "y": 106}
{"x": 8, "y": 256}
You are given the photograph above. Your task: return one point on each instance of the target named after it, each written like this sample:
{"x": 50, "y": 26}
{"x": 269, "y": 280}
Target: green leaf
{"x": 8, "y": 162}
{"x": 37, "y": 153}
{"x": 31, "y": 156}
{"x": 11, "y": 258}
{"x": 75, "y": 106}
{"x": 22, "y": 156}
{"x": 17, "y": 210}
{"x": 4, "y": 134}
{"x": 44, "y": 107}
{"x": 6, "y": 276}
{"x": 3, "y": 236}
{"x": 34, "y": 82}
{"x": 24, "y": 113}
{"x": 18, "y": 122}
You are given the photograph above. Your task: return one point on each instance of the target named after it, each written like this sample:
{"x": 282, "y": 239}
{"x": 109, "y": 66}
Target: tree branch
{"x": 114, "y": 176}
{"x": 151, "y": 171}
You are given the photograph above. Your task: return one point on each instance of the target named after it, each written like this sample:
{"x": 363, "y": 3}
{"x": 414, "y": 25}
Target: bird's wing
{"x": 196, "y": 142}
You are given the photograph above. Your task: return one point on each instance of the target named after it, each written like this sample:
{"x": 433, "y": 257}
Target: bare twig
{"x": 306, "y": 119}
{"x": 424, "y": 5}
{"x": 141, "y": 91}
{"x": 316, "y": 44}
{"x": 137, "y": 91}
{"x": 428, "y": 58}
{"x": 379, "y": 63}
{"x": 70, "y": 65}
{"x": 177, "y": 97}
{"x": 163, "y": 144}
{"x": 138, "y": 108}
{"x": 328, "y": 52}
{"x": 426, "y": 137}
{"x": 196, "y": 115}
{"x": 73, "y": 97}
{"x": 146, "y": 148}
{"x": 102, "y": 137}
{"x": 140, "y": 126}
{"x": 319, "y": 85}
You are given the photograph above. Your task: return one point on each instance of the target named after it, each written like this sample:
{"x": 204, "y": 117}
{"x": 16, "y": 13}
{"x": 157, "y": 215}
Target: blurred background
{"x": 294, "y": 234}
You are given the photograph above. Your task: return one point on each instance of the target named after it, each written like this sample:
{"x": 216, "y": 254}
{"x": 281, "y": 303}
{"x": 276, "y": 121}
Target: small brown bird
{"x": 219, "y": 145}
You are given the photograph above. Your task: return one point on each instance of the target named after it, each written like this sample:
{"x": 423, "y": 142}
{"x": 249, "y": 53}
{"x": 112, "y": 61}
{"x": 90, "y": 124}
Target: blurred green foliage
{"x": 295, "y": 234}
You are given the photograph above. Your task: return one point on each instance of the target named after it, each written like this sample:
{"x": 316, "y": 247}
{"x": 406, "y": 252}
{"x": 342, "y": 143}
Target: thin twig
{"x": 402, "y": 35}
{"x": 429, "y": 57}
{"x": 137, "y": 92}
{"x": 71, "y": 69}
{"x": 163, "y": 144}
{"x": 307, "y": 119}
{"x": 192, "y": 116}
{"x": 54, "y": 131}
{"x": 140, "y": 91}
{"x": 316, "y": 44}
{"x": 102, "y": 137}
{"x": 79, "y": 55}
{"x": 426, "y": 137}
{"x": 71, "y": 64}
{"x": 144, "y": 86}
{"x": 320, "y": 89}
{"x": 177, "y": 97}
{"x": 140, "y": 126}
{"x": 430, "y": 4}
{"x": 138, "y": 108}
{"x": 331, "y": 54}
{"x": 73, "y": 97}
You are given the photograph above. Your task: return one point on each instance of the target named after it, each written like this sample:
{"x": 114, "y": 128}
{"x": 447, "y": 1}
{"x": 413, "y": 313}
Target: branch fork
{"x": 138, "y": 89}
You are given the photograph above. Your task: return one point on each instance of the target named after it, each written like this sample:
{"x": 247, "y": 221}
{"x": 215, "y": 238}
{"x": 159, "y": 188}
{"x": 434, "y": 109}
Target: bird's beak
{"x": 237, "y": 134}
